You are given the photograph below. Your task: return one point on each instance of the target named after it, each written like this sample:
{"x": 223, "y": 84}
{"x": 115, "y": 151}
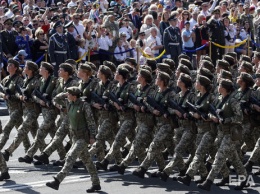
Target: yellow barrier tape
{"x": 85, "y": 54}
{"x": 153, "y": 58}
{"x": 233, "y": 46}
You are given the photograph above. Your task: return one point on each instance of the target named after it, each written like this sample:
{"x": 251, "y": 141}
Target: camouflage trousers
{"x": 226, "y": 150}
{"x": 186, "y": 142}
{"x": 3, "y": 167}
{"x": 79, "y": 149}
{"x": 203, "y": 148}
{"x": 47, "y": 126}
{"x": 127, "y": 129}
{"x": 1, "y": 129}
{"x": 255, "y": 155}
{"x": 107, "y": 131}
{"x": 142, "y": 140}
{"x": 164, "y": 133}
{"x": 30, "y": 124}
{"x": 58, "y": 138}
{"x": 248, "y": 139}
{"x": 16, "y": 119}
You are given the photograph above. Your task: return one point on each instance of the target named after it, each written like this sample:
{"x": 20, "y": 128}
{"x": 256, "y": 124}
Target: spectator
{"x": 233, "y": 16}
{"x": 126, "y": 29}
{"x": 164, "y": 22}
{"x": 148, "y": 24}
{"x": 23, "y": 41}
{"x": 40, "y": 45}
{"x": 79, "y": 28}
{"x": 120, "y": 57}
{"x": 185, "y": 16}
{"x": 229, "y": 32}
{"x": 188, "y": 39}
{"x": 141, "y": 40}
{"x": 20, "y": 57}
{"x": 154, "y": 42}
{"x": 81, "y": 50}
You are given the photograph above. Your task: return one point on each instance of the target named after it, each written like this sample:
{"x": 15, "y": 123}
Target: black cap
{"x": 68, "y": 24}
{"x": 57, "y": 24}
{"x": 55, "y": 18}
{"x": 8, "y": 20}
{"x": 172, "y": 18}
{"x": 17, "y": 22}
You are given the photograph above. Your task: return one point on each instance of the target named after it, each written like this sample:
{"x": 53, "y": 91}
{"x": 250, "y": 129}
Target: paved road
{"x": 27, "y": 178}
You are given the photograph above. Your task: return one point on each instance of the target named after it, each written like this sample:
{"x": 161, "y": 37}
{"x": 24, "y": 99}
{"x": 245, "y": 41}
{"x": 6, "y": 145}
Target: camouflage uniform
{"x": 31, "y": 112}
{"x": 14, "y": 107}
{"x": 127, "y": 124}
{"x": 108, "y": 119}
{"x": 63, "y": 129}
{"x": 165, "y": 128}
{"x": 232, "y": 114}
{"x": 187, "y": 139}
{"x": 82, "y": 126}
{"x": 144, "y": 129}
{"x": 3, "y": 167}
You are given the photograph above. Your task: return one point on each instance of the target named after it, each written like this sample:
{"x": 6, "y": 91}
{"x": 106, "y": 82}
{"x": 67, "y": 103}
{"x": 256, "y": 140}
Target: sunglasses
{"x": 41, "y": 34}
{"x": 35, "y": 24}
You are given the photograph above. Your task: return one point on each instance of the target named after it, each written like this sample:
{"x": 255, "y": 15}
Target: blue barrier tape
{"x": 195, "y": 49}
{"x": 256, "y": 45}
{"x": 37, "y": 61}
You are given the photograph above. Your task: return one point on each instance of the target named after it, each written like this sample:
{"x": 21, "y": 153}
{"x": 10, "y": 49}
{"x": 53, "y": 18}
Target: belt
{"x": 60, "y": 52}
{"x": 174, "y": 44}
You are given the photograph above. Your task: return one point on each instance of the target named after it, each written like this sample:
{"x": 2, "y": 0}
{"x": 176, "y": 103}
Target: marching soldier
{"x": 172, "y": 39}
{"x": 58, "y": 48}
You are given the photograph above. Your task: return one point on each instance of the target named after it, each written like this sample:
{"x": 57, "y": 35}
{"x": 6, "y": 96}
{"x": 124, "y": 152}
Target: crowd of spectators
{"x": 105, "y": 27}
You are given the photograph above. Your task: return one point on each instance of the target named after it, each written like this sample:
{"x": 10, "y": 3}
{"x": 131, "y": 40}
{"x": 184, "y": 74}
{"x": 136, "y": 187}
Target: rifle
{"x": 43, "y": 97}
{"x": 113, "y": 97}
{"x": 134, "y": 100}
{"x": 152, "y": 102}
{"x": 23, "y": 92}
{"x": 5, "y": 90}
{"x": 193, "y": 108}
{"x": 174, "y": 105}
{"x": 253, "y": 100}
{"x": 97, "y": 99}
{"x": 213, "y": 110}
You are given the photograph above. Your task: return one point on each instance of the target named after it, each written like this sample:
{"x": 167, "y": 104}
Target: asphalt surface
{"x": 27, "y": 178}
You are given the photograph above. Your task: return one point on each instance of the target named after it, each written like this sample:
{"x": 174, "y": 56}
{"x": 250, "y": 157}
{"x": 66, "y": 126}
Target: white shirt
{"x": 82, "y": 51}
{"x": 192, "y": 23}
{"x": 128, "y": 31}
{"x": 120, "y": 57}
{"x": 104, "y": 42}
{"x": 80, "y": 30}
{"x": 72, "y": 4}
{"x": 102, "y": 5}
{"x": 153, "y": 41}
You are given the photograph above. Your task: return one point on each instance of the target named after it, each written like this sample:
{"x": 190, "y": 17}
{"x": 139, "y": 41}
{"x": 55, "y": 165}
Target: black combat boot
{"x": 27, "y": 159}
{"x": 140, "y": 172}
{"x": 44, "y": 158}
{"x": 67, "y": 146}
{"x": 59, "y": 162}
{"x": 163, "y": 176}
{"x": 125, "y": 152}
{"x": 94, "y": 188}
{"x": 201, "y": 180}
{"x": 4, "y": 176}
{"x": 181, "y": 173}
{"x": 102, "y": 165}
{"x": 242, "y": 185}
{"x": 249, "y": 166}
{"x": 53, "y": 184}
{"x": 6, "y": 155}
{"x": 184, "y": 179}
{"x": 206, "y": 185}
{"x": 78, "y": 164}
{"x": 223, "y": 181}
{"x": 114, "y": 168}
{"x": 257, "y": 172}
{"x": 121, "y": 169}
{"x": 156, "y": 173}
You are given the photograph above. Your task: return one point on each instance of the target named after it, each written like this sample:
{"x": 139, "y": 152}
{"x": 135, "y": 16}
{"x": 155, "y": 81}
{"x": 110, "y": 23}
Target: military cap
{"x": 186, "y": 79}
{"x": 57, "y": 24}
{"x": 246, "y": 77}
{"x": 132, "y": 61}
{"x": 245, "y": 58}
{"x": 67, "y": 67}
{"x": 227, "y": 84}
{"x": 151, "y": 63}
{"x": 12, "y": 61}
{"x": 55, "y": 18}
{"x": 205, "y": 72}
{"x": 105, "y": 70}
{"x": 170, "y": 62}
{"x": 257, "y": 75}
{"x": 203, "y": 80}
{"x": 42, "y": 10}
{"x": 229, "y": 59}
{"x": 224, "y": 64}
{"x": 162, "y": 66}
{"x": 127, "y": 66}
{"x": 247, "y": 66}
{"x": 146, "y": 67}
{"x": 216, "y": 11}
{"x": 164, "y": 77}
{"x": 8, "y": 20}
{"x": 123, "y": 72}
{"x": 199, "y": 2}
{"x": 207, "y": 64}
{"x": 225, "y": 74}
{"x": 146, "y": 74}
{"x": 172, "y": 18}
{"x": 186, "y": 62}
{"x": 32, "y": 66}
{"x": 47, "y": 66}
{"x": 17, "y": 22}
{"x": 68, "y": 24}
{"x": 183, "y": 56}
{"x": 85, "y": 66}
{"x": 92, "y": 65}
{"x": 183, "y": 69}
{"x": 111, "y": 65}
{"x": 141, "y": 33}
{"x": 71, "y": 61}
{"x": 232, "y": 54}
{"x": 74, "y": 91}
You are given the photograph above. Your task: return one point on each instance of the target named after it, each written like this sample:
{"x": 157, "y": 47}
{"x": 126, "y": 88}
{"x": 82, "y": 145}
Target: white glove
{"x": 53, "y": 63}
{"x": 168, "y": 56}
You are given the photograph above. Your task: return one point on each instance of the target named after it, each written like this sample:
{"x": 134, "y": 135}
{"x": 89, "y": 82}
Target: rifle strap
{"x": 164, "y": 93}
{"x": 27, "y": 82}
{"x": 223, "y": 102}
{"x": 104, "y": 87}
{"x": 67, "y": 83}
{"x": 184, "y": 97}
{"x": 46, "y": 84}
{"x": 85, "y": 85}
{"x": 202, "y": 98}
{"x": 121, "y": 89}
{"x": 9, "y": 80}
